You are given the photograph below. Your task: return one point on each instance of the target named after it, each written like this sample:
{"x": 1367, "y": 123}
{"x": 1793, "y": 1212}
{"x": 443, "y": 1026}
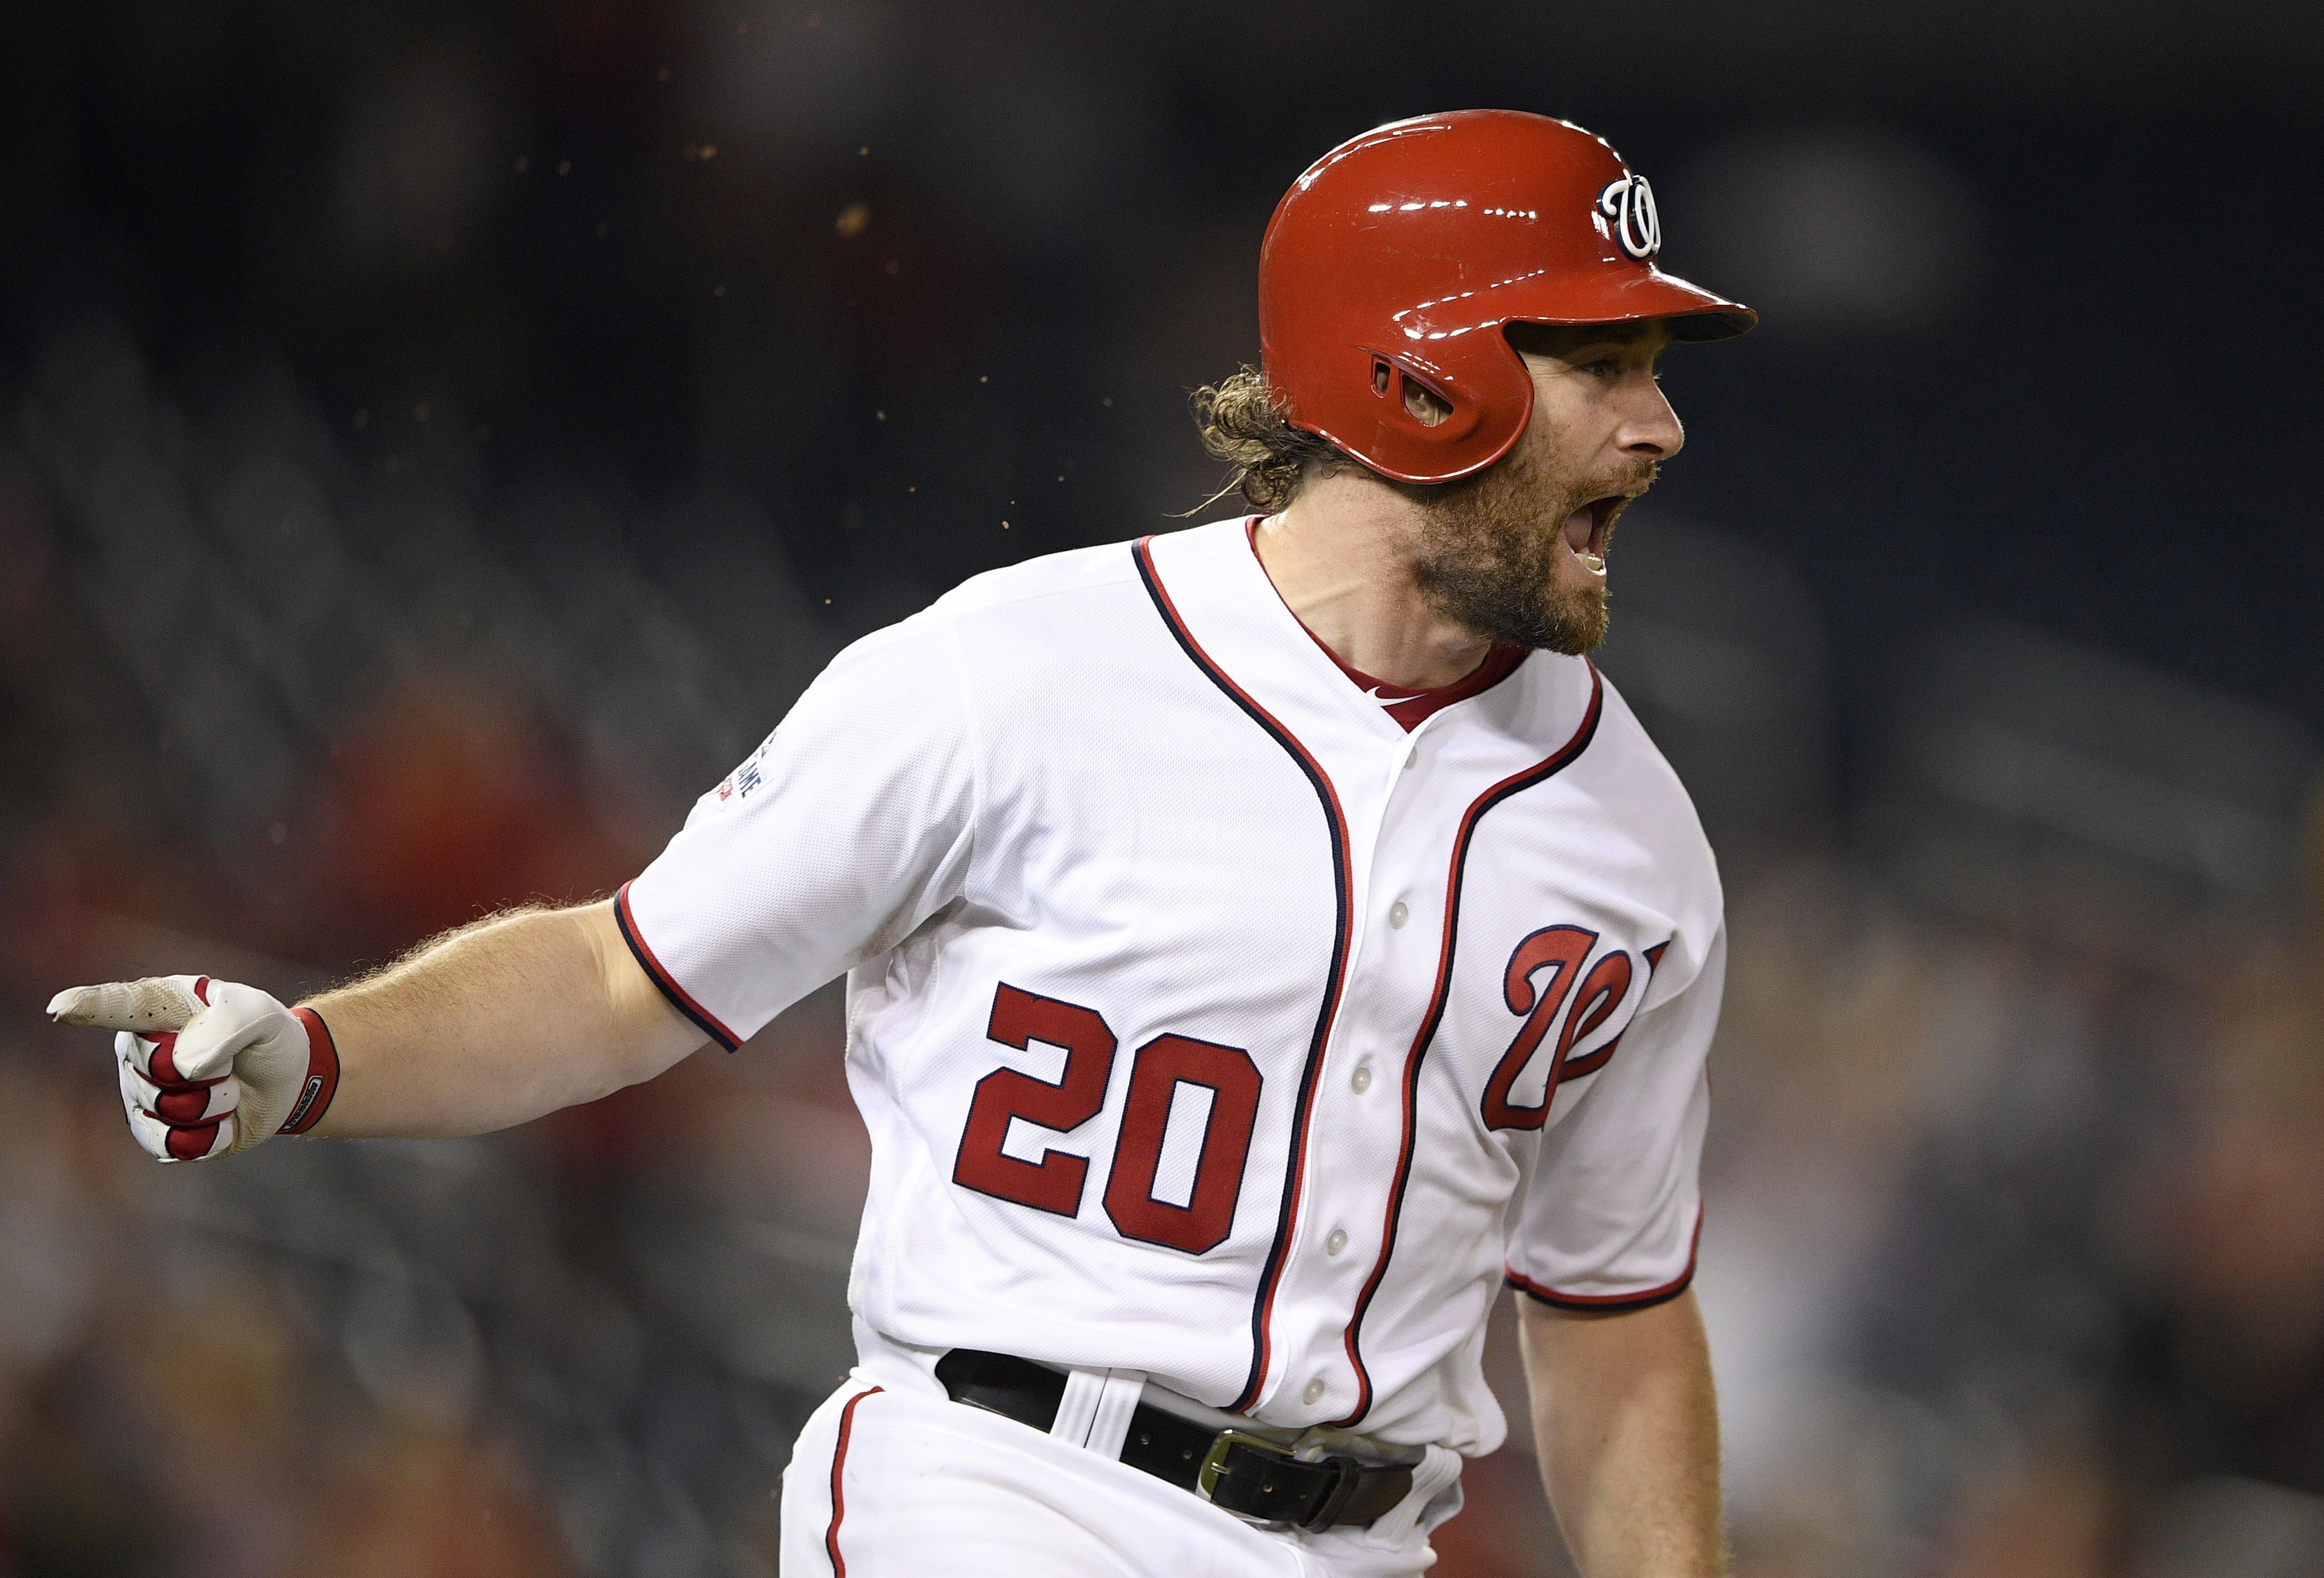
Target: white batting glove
{"x": 208, "y": 1068}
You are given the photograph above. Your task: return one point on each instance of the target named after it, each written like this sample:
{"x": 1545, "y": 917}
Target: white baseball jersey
{"x": 1207, "y": 1022}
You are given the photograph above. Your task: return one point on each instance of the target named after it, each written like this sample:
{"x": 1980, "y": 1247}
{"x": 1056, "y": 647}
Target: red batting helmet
{"x": 1401, "y": 254}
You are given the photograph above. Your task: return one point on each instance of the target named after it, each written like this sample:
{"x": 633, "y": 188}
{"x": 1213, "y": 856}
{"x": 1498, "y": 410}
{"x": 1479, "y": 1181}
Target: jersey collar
{"x": 1408, "y": 707}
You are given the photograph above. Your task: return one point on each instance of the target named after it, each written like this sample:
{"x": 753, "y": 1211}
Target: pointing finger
{"x": 156, "y": 1003}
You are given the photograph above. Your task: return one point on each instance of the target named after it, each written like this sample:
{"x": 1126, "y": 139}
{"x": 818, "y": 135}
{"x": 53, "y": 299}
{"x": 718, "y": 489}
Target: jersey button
{"x": 1362, "y": 1080}
{"x": 1398, "y": 913}
{"x": 1337, "y": 1242}
{"x": 1314, "y": 1392}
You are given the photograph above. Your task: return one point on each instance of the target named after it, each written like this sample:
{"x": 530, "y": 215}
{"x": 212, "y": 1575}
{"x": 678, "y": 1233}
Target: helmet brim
{"x": 1692, "y": 312}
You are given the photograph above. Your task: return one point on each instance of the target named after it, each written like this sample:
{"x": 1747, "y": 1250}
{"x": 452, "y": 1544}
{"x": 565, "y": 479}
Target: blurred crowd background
{"x": 437, "y": 441}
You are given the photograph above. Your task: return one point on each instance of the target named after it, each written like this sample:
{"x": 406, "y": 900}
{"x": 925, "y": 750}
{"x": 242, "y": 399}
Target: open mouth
{"x": 1588, "y": 528}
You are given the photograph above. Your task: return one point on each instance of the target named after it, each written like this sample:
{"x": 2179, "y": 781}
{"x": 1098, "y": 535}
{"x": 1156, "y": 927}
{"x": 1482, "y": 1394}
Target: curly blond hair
{"x": 1242, "y": 424}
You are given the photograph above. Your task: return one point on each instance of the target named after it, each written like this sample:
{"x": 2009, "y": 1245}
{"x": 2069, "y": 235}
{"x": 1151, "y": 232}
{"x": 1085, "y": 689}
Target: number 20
{"x": 1054, "y": 1184}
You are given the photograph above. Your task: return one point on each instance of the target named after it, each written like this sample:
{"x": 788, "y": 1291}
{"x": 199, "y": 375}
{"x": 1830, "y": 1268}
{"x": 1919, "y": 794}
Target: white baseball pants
{"x": 903, "y": 1483}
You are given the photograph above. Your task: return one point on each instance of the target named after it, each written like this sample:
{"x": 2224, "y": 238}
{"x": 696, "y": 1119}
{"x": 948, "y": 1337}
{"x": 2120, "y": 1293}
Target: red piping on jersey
{"x": 679, "y": 997}
{"x": 1614, "y": 1301}
{"x": 1546, "y": 768}
{"x": 1263, "y": 1307}
{"x": 838, "y": 1499}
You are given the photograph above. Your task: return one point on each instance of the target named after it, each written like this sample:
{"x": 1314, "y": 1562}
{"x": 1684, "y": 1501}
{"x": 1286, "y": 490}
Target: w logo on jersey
{"x": 1628, "y": 207}
{"x": 1560, "y": 951}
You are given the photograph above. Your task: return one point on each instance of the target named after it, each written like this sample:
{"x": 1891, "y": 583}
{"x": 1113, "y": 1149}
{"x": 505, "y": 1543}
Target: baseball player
{"x": 1264, "y": 942}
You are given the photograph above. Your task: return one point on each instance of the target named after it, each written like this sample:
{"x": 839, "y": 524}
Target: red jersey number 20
{"x": 1159, "y": 1071}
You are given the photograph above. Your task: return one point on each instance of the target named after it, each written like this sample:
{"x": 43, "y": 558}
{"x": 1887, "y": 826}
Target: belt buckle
{"x": 1346, "y": 1471}
{"x": 1216, "y": 1459}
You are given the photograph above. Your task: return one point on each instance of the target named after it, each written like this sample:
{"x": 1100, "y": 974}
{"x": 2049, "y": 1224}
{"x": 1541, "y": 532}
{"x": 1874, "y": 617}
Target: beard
{"x": 1490, "y": 550}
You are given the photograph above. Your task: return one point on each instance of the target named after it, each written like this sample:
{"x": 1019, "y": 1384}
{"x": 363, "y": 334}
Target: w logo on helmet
{"x": 1630, "y": 204}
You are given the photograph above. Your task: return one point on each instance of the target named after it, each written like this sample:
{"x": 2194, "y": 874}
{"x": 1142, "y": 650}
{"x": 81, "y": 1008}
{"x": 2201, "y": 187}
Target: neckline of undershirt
{"x": 1409, "y": 704}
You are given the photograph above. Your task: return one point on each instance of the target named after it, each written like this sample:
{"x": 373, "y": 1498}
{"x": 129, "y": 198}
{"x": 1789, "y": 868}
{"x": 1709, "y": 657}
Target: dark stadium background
{"x": 437, "y": 441}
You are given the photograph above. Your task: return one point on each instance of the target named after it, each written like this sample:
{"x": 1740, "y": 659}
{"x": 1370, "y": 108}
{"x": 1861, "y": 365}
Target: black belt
{"x": 1232, "y": 1469}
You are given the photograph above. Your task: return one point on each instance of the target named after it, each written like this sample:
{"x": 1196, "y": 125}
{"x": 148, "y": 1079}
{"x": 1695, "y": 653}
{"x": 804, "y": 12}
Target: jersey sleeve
{"x": 849, "y": 826}
{"x": 1607, "y": 1216}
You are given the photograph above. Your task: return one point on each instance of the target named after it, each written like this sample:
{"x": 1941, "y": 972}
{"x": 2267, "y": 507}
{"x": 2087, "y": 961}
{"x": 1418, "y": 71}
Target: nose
{"x": 1650, "y": 429}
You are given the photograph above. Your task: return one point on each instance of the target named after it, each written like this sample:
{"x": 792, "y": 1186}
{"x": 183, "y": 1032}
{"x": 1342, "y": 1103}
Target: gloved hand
{"x": 208, "y": 1068}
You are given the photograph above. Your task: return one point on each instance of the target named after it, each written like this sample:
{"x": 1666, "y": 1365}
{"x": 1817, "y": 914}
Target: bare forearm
{"x": 1627, "y": 1424}
{"x": 497, "y": 1024}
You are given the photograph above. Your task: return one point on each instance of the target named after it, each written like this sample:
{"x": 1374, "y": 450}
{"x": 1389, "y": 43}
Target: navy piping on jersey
{"x": 704, "y": 1020}
{"x": 1600, "y": 1303}
{"x": 1539, "y": 772}
{"x": 1263, "y": 1306}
